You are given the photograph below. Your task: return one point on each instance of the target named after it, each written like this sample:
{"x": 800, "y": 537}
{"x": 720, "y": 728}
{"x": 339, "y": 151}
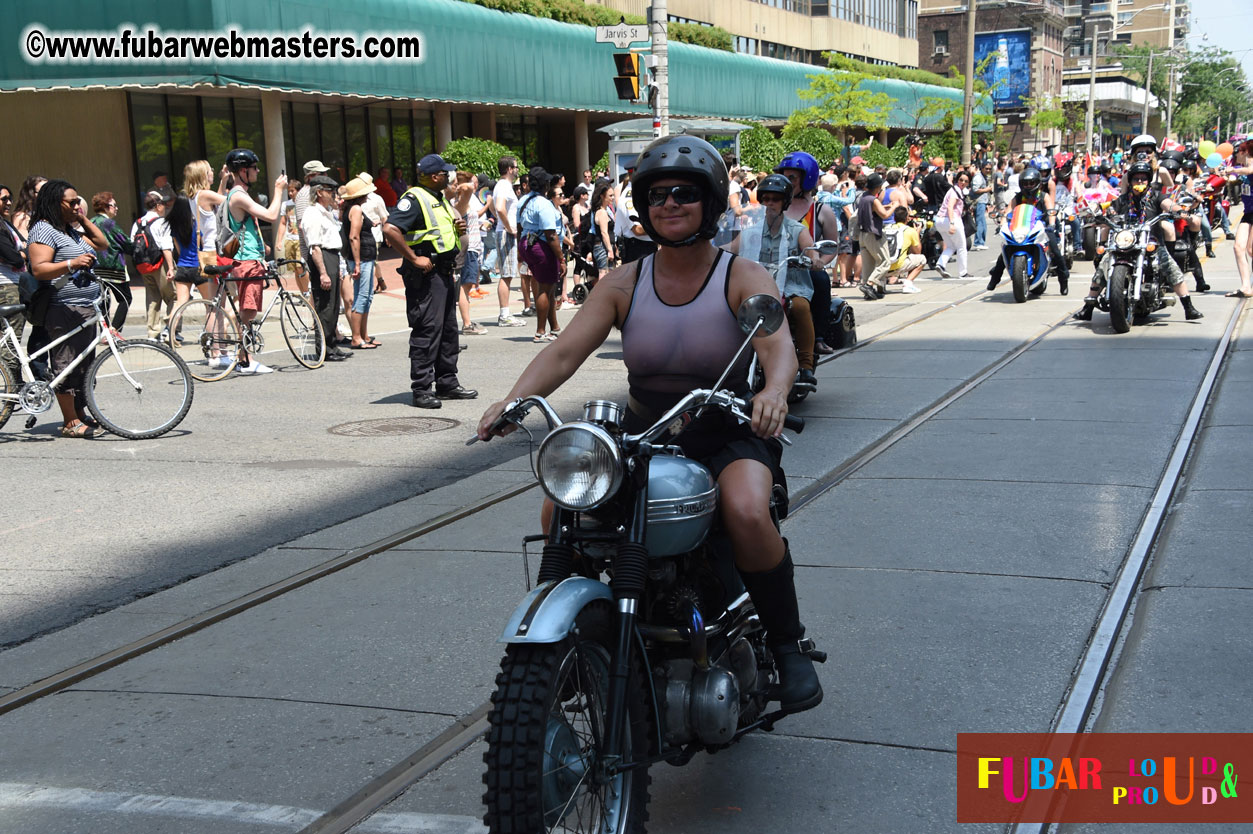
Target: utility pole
{"x": 1148, "y": 88}
{"x": 968, "y": 94}
{"x": 660, "y": 68}
{"x": 1092, "y": 86}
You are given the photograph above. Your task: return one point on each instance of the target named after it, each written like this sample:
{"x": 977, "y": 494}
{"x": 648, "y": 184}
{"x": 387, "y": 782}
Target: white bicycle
{"x": 136, "y": 389}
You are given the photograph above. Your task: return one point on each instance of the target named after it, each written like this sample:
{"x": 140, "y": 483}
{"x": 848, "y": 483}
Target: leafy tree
{"x": 1212, "y": 89}
{"x": 841, "y": 62}
{"x": 815, "y": 141}
{"x": 1135, "y": 61}
{"x": 841, "y": 101}
{"x": 476, "y": 155}
{"x": 759, "y": 148}
{"x": 893, "y": 157}
{"x": 1046, "y": 113}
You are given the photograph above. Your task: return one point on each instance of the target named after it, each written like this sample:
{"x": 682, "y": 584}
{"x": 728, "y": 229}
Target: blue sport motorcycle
{"x": 1025, "y": 250}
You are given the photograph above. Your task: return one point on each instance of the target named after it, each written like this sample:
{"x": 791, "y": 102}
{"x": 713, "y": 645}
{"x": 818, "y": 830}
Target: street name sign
{"x": 622, "y": 35}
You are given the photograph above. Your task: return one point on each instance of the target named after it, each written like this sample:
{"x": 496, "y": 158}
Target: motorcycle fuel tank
{"x": 682, "y": 498}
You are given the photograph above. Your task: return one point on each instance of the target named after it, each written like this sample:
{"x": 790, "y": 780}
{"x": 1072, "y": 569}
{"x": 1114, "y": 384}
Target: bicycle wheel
{"x": 143, "y": 390}
{"x": 303, "y": 331}
{"x": 7, "y": 389}
{"x": 211, "y": 342}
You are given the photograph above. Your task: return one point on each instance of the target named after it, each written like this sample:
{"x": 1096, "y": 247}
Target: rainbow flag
{"x": 1021, "y": 221}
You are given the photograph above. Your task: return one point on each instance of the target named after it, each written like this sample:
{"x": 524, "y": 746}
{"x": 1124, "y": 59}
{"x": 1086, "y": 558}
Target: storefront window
{"x": 250, "y": 134}
{"x": 380, "y": 139}
{"x": 357, "y": 160}
{"x": 333, "y": 145}
{"x": 424, "y": 126}
{"x": 402, "y": 144}
{"x": 186, "y": 137}
{"x": 219, "y": 129}
{"x": 305, "y": 136}
{"x": 152, "y": 145}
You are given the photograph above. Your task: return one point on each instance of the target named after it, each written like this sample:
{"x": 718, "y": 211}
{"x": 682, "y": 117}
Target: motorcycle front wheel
{"x": 545, "y": 770}
{"x": 1120, "y": 303}
{"x": 1019, "y": 277}
{"x": 1089, "y": 243}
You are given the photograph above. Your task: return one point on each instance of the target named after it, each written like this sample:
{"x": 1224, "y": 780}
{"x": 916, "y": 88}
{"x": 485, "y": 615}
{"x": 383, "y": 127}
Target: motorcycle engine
{"x": 704, "y": 704}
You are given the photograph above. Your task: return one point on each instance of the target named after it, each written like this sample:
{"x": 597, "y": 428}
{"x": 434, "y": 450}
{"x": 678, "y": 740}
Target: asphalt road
{"x": 954, "y": 581}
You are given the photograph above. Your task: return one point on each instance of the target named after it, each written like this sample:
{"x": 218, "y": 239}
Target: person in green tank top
{"x": 244, "y": 217}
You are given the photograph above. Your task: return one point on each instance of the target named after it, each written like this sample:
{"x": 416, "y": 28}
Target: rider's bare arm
{"x": 606, "y": 307}
{"x": 775, "y": 352}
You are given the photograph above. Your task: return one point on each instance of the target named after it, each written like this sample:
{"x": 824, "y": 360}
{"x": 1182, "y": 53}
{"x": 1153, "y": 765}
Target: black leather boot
{"x": 1089, "y": 304}
{"x": 774, "y": 596}
{"x": 1189, "y": 312}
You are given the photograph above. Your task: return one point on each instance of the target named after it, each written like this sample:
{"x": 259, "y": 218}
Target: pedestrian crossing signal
{"x": 628, "y": 78}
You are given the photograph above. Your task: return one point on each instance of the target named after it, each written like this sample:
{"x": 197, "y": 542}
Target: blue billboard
{"x": 1008, "y": 74}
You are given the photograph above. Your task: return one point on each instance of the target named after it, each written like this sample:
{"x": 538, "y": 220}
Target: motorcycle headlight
{"x": 579, "y": 466}
{"x": 1125, "y": 239}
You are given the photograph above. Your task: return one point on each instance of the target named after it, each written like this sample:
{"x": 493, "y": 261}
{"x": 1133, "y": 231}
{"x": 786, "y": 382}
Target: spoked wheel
{"x": 302, "y": 330}
{"x": 1018, "y": 277}
{"x": 211, "y": 342}
{"x": 8, "y": 388}
{"x": 1120, "y": 303}
{"x": 547, "y": 725}
{"x": 142, "y": 391}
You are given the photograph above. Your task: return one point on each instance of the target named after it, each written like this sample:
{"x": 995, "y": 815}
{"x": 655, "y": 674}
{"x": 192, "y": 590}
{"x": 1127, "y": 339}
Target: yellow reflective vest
{"x": 437, "y": 217}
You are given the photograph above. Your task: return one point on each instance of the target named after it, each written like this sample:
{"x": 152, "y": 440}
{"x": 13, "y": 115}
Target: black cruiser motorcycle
{"x": 640, "y": 644}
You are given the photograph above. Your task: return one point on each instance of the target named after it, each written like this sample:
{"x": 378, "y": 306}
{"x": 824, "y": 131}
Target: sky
{"x": 1229, "y": 24}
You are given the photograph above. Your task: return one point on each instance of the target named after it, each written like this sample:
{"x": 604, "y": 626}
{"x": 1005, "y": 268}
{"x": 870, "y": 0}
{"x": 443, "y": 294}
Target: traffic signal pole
{"x": 660, "y": 68}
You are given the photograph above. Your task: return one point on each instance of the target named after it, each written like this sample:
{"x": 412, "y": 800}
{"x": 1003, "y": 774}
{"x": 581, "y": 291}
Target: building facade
{"x": 875, "y": 31}
{"x": 1024, "y": 41}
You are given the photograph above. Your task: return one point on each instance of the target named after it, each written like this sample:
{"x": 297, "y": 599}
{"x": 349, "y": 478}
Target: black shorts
{"x": 189, "y": 275}
{"x": 717, "y": 440}
{"x": 1247, "y": 217}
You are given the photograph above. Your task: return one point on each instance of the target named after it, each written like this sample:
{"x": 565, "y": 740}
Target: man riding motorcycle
{"x": 1066, "y": 195}
{"x": 802, "y": 171}
{"x": 1031, "y": 191}
{"x": 676, "y": 312}
{"x": 782, "y": 238}
{"x": 1141, "y": 201}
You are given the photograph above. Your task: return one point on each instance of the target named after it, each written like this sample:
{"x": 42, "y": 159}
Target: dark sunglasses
{"x": 682, "y": 194}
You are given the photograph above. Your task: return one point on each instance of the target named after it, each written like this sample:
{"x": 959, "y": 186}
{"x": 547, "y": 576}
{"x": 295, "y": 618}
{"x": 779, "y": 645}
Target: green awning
{"x": 472, "y": 55}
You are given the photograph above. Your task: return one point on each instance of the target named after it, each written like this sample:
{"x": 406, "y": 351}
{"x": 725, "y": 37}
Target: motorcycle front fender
{"x": 546, "y": 613}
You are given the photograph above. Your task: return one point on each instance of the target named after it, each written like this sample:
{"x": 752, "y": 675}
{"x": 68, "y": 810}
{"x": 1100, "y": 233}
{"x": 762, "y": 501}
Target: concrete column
{"x": 581, "y": 148}
{"x": 443, "y": 126}
{"x": 275, "y": 149}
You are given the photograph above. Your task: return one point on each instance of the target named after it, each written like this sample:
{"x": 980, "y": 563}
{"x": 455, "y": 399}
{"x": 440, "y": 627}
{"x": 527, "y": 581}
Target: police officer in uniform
{"x": 422, "y": 228}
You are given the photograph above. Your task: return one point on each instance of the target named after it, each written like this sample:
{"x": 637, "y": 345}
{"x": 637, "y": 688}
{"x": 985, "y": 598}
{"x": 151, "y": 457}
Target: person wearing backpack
{"x": 154, "y": 259}
{"x": 239, "y": 237}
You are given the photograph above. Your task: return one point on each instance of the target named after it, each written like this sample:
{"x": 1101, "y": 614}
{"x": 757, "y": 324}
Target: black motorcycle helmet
{"x": 1029, "y": 180}
{"x": 1094, "y": 170}
{"x": 776, "y": 184}
{"x": 241, "y": 158}
{"x": 1105, "y": 169}
{"x": 1137, "y": 170}
{"x": 1171, "y": 165}
{"x": 687, "y": 158}
{"x": 1175, "y": 156}
{"x": 1064, "y": 170}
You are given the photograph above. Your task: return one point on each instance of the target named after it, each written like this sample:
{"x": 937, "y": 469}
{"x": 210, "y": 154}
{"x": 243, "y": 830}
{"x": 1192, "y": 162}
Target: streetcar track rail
{"x": 1097, "y": 665}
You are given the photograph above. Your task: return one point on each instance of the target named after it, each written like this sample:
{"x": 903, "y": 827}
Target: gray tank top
{"x": 671, "y": 349}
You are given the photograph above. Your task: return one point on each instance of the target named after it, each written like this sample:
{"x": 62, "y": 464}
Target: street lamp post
{"x": 968, "y": 100}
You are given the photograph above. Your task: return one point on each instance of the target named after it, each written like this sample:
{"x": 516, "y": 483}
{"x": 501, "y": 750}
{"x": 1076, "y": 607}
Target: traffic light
{"x": 628, "y": 78}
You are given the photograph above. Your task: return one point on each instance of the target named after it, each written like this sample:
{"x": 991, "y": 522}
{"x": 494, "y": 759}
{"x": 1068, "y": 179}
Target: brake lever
{"x": 739, "y": 415}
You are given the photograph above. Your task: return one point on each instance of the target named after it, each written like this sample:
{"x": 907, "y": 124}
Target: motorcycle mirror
{"x": 764, "y": 307}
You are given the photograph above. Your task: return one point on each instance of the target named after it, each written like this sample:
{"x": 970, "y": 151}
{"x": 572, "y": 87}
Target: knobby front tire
{"x": 545, "y": 727}
{"x": 156, "y": 401}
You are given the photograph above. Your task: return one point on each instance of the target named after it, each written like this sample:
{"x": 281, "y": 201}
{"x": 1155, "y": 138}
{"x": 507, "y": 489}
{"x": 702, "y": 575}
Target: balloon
{"x": 1214, "y": 160}
{"x": 1206, "y": 148}
{"x": 1225, "y": 149}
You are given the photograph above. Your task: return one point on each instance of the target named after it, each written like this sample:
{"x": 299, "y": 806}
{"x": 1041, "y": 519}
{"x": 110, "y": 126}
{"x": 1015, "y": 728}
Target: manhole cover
{"x": 387, "y": 426}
